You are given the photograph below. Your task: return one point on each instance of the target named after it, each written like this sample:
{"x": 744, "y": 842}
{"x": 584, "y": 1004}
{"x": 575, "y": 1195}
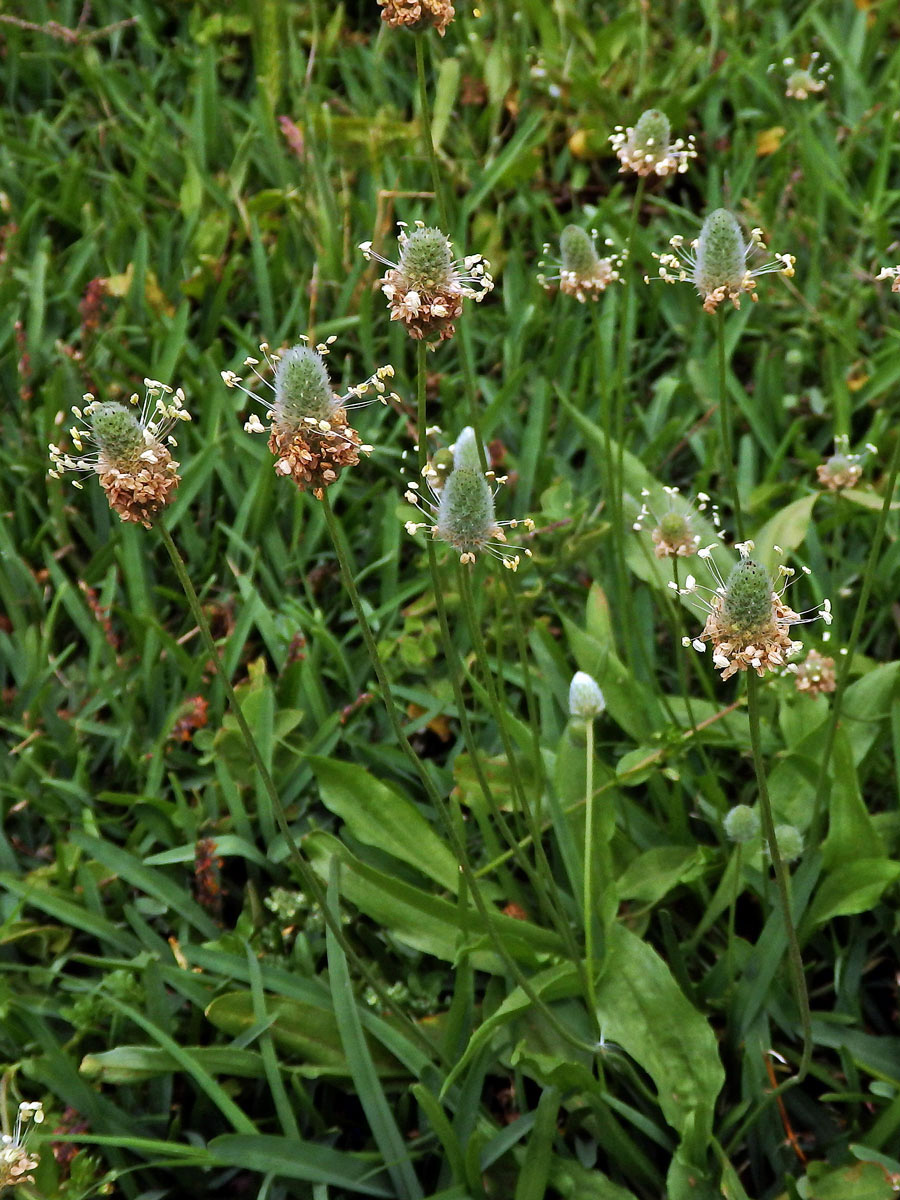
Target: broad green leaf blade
{"x": 300, "y": 1160}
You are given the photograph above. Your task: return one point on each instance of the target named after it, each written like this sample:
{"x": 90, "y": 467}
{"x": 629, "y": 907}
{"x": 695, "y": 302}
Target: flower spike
{"x": 581, "y": 272}
{"x": 748, "y": 622}
{"x": 132, "y": 456}
{"x": 716, "y": 262}
{"x": 417, "y": 14}
{"x": 426, "y": 288}
{"x": 647, "y": 149}
{"x": 461, "y": 509}
{"x": 309, "y": 433}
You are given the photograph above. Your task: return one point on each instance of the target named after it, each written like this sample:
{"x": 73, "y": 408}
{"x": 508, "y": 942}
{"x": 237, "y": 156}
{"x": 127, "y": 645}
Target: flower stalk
{"x": 795, "y": 959}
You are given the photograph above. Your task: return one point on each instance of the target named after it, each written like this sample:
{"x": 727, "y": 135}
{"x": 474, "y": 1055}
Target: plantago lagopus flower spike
{"x": 417, "y": 14}
{"x": 673, "y": 534}
{"x": 748, "y": 621}
{"x": 17, "y": 1163}
{"x": 309, "y": 432}
{"x": 426, "y": 288}
{"x": 815, "y": 675}
{"x": 892, "y": 273}
{"x": 802, "y": 82}
{"x": 462, "y": 511}
{"x": 648, "y": 149}
{"x": 842, "y": 469}
{"x": 716, "y": 262}
{"x": 581, "y": 272}
{"x": 132, "y": 456}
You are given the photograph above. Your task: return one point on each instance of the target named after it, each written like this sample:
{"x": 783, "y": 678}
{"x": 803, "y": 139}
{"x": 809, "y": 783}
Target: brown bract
{"x": 16, "y": 1165}
{"x": 835, "y": 476}
{"x": 417, "y": 14}
{"x": 314, "y": 457}
{"x": 424, "y": 314}
{"x": 762, "y": 649}
{"x": 138, "y": 493}
{"x": 668, "y": 546}
{"x": 582, "y": 284}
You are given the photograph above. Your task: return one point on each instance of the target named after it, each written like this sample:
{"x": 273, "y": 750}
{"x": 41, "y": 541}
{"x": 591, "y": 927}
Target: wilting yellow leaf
{"x": 580, "y": 144}
{"x": 768, "y": 140}
{"x": 857, "y": 377}
{"x": 120, "y": 285}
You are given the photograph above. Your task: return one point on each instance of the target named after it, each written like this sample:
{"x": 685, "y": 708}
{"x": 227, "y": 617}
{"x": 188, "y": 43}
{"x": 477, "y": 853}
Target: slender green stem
{"x": 655, "y": 756}
{"x": 453, "y": 667}
{"x": 310, "y": 879}
{"x": 588, "y": 896}
{"x": 732, "y": 907}
{"x": 795, "y": 961}
{"x": 437, "y": 179}
{"x": 536, "y": 877}
{"x": 439, "y": 805}
{"x": 725, "y": 424}
{"x": 617, "y": 488}
{"x": 847, "y": 659}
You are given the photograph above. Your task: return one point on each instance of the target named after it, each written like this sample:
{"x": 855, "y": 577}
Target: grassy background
{"x": 157, "y": 1001}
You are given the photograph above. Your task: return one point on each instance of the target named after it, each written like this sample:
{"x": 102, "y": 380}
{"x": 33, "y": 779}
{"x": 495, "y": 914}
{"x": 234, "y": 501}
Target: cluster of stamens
{"x": 842, "y": 469}
{"x": 748, "y": 622}
{"x": 892, "y": 273}
{"x": 417, "y": 14}
{"x": 16, "y": 1163}
{"x": 815, "y": 675}
{"x": 802, "y": 82}
{"x": 132, "y": 455}
{"x": 426, "y": 288}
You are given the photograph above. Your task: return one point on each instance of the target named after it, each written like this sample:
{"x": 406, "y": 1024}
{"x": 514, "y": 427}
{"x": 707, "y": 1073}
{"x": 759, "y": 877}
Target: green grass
{"x": 193, "y": 1026}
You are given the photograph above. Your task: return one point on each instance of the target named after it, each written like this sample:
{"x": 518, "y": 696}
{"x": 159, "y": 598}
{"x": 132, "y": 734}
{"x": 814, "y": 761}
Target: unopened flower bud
{"x": 790, "y": 842}
{"x": 465, "y": 450}
{"x": 585, "y": 698}
{"x": 741, "y": 824}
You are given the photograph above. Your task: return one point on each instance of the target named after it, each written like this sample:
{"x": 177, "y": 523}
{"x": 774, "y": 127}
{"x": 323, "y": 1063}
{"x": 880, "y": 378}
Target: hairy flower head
{"x": 673, "y": 533}
{"x": 581, "y": 271}
{"x": 426, "y": 288}
{"x": 716, "y": 262}
{"x": 802, "y": 82}
{"x": 842, "y": 469}
{"x": 417, "y": 14}
{"x": 648, "y": 149}
{"x": 815, "y": 674}
{"x": 131, "y": 452}
{"x": 748, "y": 622}
{"x": 892, "y": 273}
{"x": 462, "y": 511}
{"x": 309, "y": 433}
